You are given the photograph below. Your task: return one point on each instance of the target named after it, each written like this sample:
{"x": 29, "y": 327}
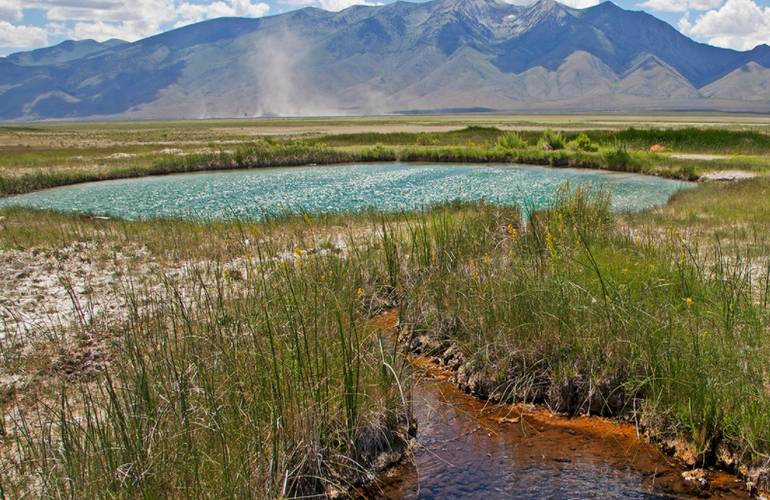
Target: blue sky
{"x": 27, "y": 24}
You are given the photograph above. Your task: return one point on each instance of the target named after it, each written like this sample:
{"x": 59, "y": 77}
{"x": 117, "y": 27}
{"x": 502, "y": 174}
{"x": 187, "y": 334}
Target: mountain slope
{"x": 63, "y": 52}
{"x": 751, "y": 81}
{"x": 401, "y": 56}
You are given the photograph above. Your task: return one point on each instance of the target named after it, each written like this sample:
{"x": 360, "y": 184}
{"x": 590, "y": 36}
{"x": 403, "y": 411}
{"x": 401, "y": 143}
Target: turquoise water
{"x": 388, "y": 187}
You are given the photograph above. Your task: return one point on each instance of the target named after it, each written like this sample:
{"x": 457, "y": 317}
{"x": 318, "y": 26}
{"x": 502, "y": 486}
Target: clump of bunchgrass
{"x": 551, "y": 141}
{"x": 511, "y": 140}
{"x": 619, "y": 158}
{"x": 272, "y": 385}
{"x": 571, "y": 312}
{"x": 583, "y": 143}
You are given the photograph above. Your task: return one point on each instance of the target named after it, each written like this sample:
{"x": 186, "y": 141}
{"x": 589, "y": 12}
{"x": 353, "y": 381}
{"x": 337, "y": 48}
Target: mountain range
{"x": 437, "y": 56}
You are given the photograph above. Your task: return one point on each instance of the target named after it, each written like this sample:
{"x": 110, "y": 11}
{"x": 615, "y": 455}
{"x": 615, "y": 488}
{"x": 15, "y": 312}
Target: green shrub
{"x": 551, "y": 141}
{"x": 428, "y": 140}
{"x": 511, "y": 140}
{"x": 583, "y": 143}
{"x": 618, "y": 157}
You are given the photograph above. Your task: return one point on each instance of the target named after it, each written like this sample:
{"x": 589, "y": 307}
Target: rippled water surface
{"x": 389, "y": 187}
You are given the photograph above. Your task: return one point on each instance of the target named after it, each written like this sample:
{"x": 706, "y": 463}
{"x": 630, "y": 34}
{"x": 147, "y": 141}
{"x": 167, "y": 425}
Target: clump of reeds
{"x": 263, "y": 381}
{"x": 569, "y": 311}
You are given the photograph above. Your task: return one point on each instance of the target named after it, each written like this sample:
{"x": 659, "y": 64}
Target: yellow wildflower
{"x": 689, "y": 301}
{"x": 549, "y": 243}
{"x": 472, "y": 269}
{"x": 360, "y": 293}
{"x": 487, "y": 259}
{"x": 512, "y": 231}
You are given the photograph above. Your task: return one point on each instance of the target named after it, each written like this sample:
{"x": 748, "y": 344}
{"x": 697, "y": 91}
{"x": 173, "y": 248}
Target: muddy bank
{"x": 661, "y": 464}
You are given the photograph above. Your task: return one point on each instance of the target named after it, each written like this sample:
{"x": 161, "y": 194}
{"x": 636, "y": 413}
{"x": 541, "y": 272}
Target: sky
{"x": 29, "y": 24}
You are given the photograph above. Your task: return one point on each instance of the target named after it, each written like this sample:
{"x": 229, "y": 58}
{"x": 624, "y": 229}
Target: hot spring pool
{"x": 252, "y": 194}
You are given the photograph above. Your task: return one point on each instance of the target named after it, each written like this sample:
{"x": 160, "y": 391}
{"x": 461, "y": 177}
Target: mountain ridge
{"x": 378, "y": 59}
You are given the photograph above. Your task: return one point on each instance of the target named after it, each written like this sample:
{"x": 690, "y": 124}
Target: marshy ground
{"x": 148, "y": 357}
{"x": 37, "y": 156}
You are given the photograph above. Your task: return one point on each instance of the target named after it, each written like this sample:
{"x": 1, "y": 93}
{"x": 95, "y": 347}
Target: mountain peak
{"x": 547, "y": 6}
{"x": 471, "y": 3}
{"x": 539, "y": 12}
{"x": 544, "y": 9}
{"x": 488, "y": 15}
{"x": 473, "y": 7}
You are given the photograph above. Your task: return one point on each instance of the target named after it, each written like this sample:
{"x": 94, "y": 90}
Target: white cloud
{"x": 23, "y": 37}
{"x": 134, "y": 19}
{"x": 337, "y": 5}
{"x": 191, "y": 13}
{"x": 681, "y": 5}
{"x": 738, "y": 24}
{"x": 10, "y": 10}
{"x": 581, "y": 4}
{"x": 578, "y": 4}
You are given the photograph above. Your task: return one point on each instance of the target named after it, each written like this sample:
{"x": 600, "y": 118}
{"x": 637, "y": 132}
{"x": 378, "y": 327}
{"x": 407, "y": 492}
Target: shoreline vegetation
{"x": 644, "y": 151}
{"x": 171, "y": 357}
{"x": 579, "y": 309}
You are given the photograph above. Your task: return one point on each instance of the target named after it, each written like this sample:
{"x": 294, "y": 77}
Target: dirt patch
{"x": 699, "y": 157}
{"x": 727, "y": 175}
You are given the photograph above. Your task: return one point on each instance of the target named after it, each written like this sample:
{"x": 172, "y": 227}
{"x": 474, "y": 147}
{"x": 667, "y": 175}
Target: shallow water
{"x": 466, "y": 448}
{"x": 339, "y": 188}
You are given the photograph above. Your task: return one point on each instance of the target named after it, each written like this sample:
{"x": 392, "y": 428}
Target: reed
{"x": 262, "y": 380}
{"x": 257, "y": 372}
{"x": 573, "y": 312}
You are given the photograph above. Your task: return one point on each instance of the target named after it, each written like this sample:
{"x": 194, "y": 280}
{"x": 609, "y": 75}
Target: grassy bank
{"x": 251, "y": 371}
{"x": 42, "y": 164}
{"x": 686, "y": 140}
{"x": 656, "y": 317}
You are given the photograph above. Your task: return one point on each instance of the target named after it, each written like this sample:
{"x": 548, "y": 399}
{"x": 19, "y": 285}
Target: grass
{"x": 574, "y": 313}
{"x": 691, "y": 139}
{"x": 55, "y": 155}
{"x": 260, "y": 380}
{"x": 576, "y": 308}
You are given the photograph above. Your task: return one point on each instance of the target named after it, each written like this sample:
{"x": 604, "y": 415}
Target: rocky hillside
{"x": 403, "y": 57}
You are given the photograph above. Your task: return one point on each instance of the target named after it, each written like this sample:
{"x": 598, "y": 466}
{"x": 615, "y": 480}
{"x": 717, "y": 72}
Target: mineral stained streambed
{"x": 466, "y": 448}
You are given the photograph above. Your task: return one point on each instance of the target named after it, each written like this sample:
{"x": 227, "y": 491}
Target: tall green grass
{"x": 688, "y": 139}
{"x": 264, "y": 380}
{"x": 571, "y": 312}
{"x": 704, "y": 140}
